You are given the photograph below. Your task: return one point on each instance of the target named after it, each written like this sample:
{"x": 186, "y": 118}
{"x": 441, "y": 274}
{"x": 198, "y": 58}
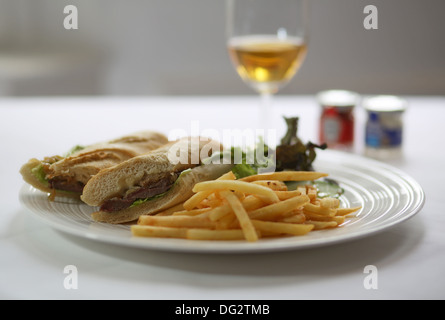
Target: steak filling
{"x": 66, "y": 185}
{"x": 146, "y": 190}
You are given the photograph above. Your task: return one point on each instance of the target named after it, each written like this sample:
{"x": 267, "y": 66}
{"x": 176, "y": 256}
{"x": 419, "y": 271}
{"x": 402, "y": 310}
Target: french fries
{"x": 276, "y": 210}
{"x": 274, "y": 185}
{"x": 251, "y": 208}
{"x": 158, "y": 232}
{"x": 240, "y": 186}
{"x": 242, "y": 216}
{"x": 287, "y": 176}
{"x": 197, "y": 198}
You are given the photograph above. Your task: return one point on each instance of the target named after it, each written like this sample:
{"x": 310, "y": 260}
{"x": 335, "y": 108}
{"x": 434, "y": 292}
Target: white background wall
{"x": 177, "y": 47}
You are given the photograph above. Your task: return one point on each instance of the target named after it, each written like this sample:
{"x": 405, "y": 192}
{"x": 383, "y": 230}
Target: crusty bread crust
{"x": 180, "y": 192}
{"x": 116, "y": 180}
{"x": 31, "y": 179}
{"x": 84, "y": 164}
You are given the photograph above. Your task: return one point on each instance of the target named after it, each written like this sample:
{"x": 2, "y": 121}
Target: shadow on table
{"x": 224, "y": 270}
{"x": 380, "y": 249}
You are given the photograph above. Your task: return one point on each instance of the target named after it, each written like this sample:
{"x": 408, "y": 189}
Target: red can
{"x": 337, "y": 118}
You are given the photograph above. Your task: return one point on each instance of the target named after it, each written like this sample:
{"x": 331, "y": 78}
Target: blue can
{"x": 384, "y": 127}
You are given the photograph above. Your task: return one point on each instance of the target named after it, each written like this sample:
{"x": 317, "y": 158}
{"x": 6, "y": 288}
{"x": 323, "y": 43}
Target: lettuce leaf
{"x": 40, "y": 174}
{"x": 247, "y": 167}
{"x": 244, "y": 170}
{"x": 292, "y": 153}
{"x": 246, "y": 164}
{"x": 325, "y": 188}
{"x": 74, "y": 150}
{"x": 141, "y": 201}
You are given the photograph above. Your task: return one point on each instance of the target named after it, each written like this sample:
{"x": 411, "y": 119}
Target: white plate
{"x": 387, "y": 196}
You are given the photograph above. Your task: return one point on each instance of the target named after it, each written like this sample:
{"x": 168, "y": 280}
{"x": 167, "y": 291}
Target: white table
{"x": 410, "y": 258}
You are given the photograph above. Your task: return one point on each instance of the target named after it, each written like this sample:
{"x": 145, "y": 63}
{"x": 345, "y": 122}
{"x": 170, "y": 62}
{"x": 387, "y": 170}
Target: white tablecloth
{"x": 410, "y": 258}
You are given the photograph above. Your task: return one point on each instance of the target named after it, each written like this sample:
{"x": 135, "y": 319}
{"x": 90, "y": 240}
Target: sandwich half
{"x": 152, "y": 182}
{"x": 67, "y": 175}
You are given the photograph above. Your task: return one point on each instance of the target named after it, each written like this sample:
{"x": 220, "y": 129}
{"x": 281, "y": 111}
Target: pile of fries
{"x": 249, "y": 208}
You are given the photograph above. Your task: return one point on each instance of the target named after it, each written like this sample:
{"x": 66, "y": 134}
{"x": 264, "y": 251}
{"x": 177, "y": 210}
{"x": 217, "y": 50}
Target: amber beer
{"x": 267, "y": 62}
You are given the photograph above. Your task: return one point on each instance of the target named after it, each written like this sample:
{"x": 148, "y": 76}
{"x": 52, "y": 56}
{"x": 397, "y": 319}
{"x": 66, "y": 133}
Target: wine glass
{"x": 267, "y": 43}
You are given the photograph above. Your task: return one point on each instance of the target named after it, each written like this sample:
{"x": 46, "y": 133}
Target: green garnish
{"x": 328, "y": 188}
{"x": 141, "y": 201}
{"x": 245, "y": 164}
{"x": 74, "y": 150}
{"x": 325, "y": 188}
{"x": 292, "y": 153}
{"x": 243, "y": 170}
{"x": 40, "y": 174}
{"x": 249, "y": 166}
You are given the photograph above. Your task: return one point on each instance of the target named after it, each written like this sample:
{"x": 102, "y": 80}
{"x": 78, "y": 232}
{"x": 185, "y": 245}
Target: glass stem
{"x": 266, "y": 105}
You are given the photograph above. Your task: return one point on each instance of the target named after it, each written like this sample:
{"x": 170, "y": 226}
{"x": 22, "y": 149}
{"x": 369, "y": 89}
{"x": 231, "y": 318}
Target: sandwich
{"x": 67, "y": 175}
{"x": 153, "y": 182}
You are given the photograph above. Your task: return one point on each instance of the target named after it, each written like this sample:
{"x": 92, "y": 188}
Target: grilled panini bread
{"x": 152, "y": 182}
{"x": 67, "y": 175}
